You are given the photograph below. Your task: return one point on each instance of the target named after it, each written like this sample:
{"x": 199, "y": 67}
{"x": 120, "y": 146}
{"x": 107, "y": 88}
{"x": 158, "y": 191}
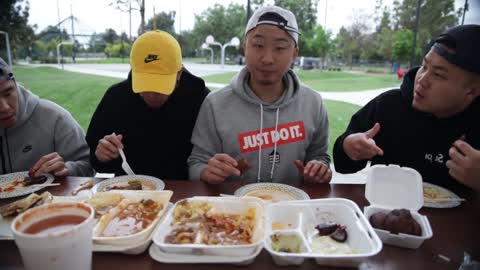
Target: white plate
{"x": 19, "y": 191}
{"x": 148, "y": 182}
{"x": 157, "y": 254}
{"x": 272, "y": 192}
{"x": 439, "y": 193}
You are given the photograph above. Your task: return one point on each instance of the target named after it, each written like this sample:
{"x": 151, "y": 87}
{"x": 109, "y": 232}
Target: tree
{"x": 126, "y": 6}
{"x": 163, "y": 21}
{"x": 14, "y": 20}
{"x": 110, "y": 36}
{"x": 223, "y": 23}
{"x": 435, "y": 17}
{"x": 320, "y": 43}
{"x": 402, "y": 45}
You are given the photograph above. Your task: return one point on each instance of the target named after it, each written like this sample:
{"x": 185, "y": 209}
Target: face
{"x": 156, "y": 100}
{"x": 442, "y": 88}
{"x": 8, "y": 103}
{"x": 269, "y": 52}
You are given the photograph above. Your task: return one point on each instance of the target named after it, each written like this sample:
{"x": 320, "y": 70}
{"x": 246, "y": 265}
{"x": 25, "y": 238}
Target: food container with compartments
{"x": 161, "y": 197}
{"x": 291, "y": 234}
{"x": 218, "y": 211}
{"x": 394, "y": 187}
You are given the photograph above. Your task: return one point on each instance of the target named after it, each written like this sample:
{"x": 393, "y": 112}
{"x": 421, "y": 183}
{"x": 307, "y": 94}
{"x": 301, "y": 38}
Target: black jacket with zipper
{"x": 409, "y": 137}
{"x": 156, "y": 141}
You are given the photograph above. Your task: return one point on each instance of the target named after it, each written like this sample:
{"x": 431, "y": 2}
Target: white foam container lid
{"x": 226, "y": 205}
{"x": 392, "y": 187}
{"x": 301, "y": 217}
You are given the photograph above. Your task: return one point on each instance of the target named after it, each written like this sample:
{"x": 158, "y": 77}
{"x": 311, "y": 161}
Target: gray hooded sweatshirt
{"x": 270, "y": 136}
{"x": 42, "y": 127}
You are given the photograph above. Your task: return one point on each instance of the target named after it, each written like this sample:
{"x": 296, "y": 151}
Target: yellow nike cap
{"x": 156, "y": 58}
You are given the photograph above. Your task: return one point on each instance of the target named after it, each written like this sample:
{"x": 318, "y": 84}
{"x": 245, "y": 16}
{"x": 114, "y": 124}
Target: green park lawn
{"x": 330, "y": 81}
{"x": 81, "y": 93}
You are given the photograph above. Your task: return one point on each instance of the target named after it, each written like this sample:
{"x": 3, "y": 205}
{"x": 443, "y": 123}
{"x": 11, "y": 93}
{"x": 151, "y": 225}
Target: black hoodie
{"x": 156, "y": 141}
{"x": 409, "y": 137}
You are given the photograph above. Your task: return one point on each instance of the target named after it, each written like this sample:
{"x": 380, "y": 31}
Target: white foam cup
{"x": 66, "y": 247}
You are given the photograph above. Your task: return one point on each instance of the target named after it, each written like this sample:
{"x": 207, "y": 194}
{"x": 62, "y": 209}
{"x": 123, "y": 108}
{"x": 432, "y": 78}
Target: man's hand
{"x": 107, "y": 148}
{"x": 464, "y": 164}
{"x": 52, "y": 163}
{"x": 361, "y": 146}
{"x": 219, "y": 168}
{"x": 315, "y": 171}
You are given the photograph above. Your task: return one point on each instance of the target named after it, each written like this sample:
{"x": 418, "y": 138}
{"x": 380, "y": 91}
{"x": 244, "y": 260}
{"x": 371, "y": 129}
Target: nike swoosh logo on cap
{"x": 151, "y": 58}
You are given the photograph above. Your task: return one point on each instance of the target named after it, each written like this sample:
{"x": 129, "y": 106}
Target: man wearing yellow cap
{"x": 150, "y": 115}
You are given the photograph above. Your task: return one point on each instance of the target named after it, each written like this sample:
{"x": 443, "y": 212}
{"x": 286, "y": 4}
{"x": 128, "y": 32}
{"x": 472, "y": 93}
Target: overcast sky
{"x": 98, "y": 15}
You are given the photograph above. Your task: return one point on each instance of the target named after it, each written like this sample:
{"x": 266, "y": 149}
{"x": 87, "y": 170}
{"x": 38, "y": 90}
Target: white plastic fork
{"x": 125, "y": 165}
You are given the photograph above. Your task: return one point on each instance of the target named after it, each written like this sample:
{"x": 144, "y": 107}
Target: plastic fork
{"x": 125, "y": 165}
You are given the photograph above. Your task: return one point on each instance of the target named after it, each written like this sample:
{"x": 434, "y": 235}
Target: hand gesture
{"x": 219, "y": 168}
{"x": 52, "y": 163}
{"x": 464, "y": 164}
{"x": 361, "y": 146}
{"x": 315, "y": 171}
{"x": 107, "y": 148}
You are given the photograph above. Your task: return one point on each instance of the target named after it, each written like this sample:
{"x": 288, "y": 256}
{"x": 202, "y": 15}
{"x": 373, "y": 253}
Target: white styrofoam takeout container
{"x": 394, "y": 187}
{"x": 159, "y": 196}
{"x": 225, "y": 205}
{"x": 301, "y": 217}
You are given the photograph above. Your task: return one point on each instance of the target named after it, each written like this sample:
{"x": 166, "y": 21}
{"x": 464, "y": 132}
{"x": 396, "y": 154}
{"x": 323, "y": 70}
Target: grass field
{"x": 329, "y": 81}
{"x": 80, "y": 94}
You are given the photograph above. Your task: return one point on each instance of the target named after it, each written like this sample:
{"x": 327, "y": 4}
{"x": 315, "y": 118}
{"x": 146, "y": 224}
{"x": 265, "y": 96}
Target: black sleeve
{"x": 101, "y": 124}
{"x": 361, "y": 121}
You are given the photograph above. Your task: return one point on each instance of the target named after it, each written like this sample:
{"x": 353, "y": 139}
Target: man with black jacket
{"x": 150, "y": 115}
{"x": 431, "y": 123}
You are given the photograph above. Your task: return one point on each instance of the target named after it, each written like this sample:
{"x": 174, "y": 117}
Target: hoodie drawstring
{"x": 260, "y": 145}
{"x": 275, "y": 146}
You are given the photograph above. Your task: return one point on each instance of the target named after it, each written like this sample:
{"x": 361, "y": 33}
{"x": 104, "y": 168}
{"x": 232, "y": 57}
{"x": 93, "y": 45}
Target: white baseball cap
{"x": 277, "y": 16}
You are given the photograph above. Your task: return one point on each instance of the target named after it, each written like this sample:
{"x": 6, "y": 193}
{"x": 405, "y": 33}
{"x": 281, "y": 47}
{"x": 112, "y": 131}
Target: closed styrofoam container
{"x": 159, "y": 196}
{"x": 225, "y": 205}
{"x": 394, "y": 187}
{"x": 301, "y": 217}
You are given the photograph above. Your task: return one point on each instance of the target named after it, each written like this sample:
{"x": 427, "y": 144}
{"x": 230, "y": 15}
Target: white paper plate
{"x": 434, "y": 191}
{"x": 19, "y": 191}
{"x": 148, "y": 182}
{"x": 272, "y": 192}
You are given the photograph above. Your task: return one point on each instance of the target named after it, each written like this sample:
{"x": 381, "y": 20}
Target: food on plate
{"x": 289, "y": 243}
{"x": 336, "y": 231}
{"x": 22, "y": 182}
{"x": 396, "y": 221}
{"x": 199, "y": 223}
{"x": 433, "y": 194}
{"x": 22, "y": 205}
{"x": 133, "y": 218}
{"x": 104, "y": 201}
{"x": 328, "y": 245}
{"x": 86, "y": 185}
{"x": 271, "y": 195}
{"x": 243, "y": 166}
{"x": 131, "y": 185}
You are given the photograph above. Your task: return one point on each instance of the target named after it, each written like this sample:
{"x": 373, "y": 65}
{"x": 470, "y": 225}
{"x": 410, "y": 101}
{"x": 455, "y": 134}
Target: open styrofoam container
{"x": 394, "y": 187}
{"x": 159, "y": 196}
{"x": 225, "y": 205}
{"x": 301, "y": 217}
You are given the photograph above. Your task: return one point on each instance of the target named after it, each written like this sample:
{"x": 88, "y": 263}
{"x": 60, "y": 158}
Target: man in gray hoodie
{"x": 37, "y": 134}
{"x": 265, "y": 115}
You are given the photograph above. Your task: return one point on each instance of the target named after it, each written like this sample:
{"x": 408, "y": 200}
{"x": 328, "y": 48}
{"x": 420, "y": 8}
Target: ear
{"x": 474, "y": 90}
{"x": 179, "y": 74}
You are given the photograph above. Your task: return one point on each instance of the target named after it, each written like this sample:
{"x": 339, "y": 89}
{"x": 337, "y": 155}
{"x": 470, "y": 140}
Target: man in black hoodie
{"x": 150, "y": 115}
{"x": 431, "y": 123}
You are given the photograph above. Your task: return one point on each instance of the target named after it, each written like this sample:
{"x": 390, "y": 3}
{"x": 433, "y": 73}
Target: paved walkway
{"x": 121, "y": 71}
